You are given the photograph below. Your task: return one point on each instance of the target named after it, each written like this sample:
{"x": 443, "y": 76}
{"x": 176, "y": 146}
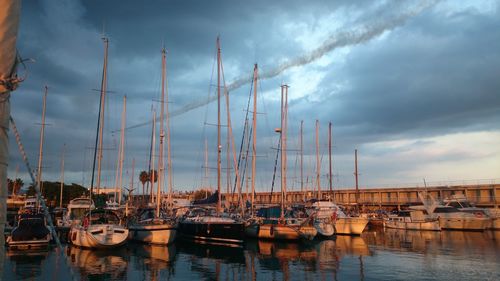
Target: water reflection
{"x": 154, "y": 261}
{"x": 376, "y": 255}
{"x": 102, "y": 264}
{"x": 434, "y": 242}
{"x": 26, "y": 264}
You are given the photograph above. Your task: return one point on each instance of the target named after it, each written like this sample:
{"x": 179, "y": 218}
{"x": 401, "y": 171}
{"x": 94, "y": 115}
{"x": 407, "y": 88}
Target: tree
{"x": 143, "y": 177}
{"x": 18, "y": 184}
{"x": 201, "y": 194}
{"x": 151, "y": 178}
{"x": 14, "y": 185}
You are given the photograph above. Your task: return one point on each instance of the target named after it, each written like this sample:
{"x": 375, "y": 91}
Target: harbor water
{"x": 375, "y": 255}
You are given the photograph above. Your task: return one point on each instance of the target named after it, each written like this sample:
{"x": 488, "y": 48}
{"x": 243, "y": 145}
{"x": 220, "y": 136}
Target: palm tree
{"x": 18, "y": 184}
{"x": 151, "y": 173}
{"x": 143, "y": 177}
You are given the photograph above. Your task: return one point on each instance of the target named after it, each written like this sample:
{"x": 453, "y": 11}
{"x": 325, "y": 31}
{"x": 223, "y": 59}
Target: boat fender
{"x": 271, "y": 230}
{"x": 85, "y": 222}
{"x": 334, "y": 215}
{"x": 208, "y": 229}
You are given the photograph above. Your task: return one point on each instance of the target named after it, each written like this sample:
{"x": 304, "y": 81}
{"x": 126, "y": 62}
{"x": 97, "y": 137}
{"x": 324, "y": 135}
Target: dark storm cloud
{"x": 425, "y": 80}
{"x": 430, "y": 75}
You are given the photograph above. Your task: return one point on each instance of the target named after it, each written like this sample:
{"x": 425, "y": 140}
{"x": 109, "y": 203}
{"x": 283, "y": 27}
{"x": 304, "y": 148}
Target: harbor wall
{"x": 483, "y": 195}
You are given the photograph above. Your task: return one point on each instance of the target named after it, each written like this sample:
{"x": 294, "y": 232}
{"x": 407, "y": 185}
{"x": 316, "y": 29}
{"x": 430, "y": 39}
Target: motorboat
{"x": 76, "y": 210}
{"x": 348, "y": 225}
{"x": 451, "y": 218}
{"x": 460, "y": 202}
{"x": 31, "y": 232}
{"x": 412, "y": 220}
{"x": 100, "y": 229}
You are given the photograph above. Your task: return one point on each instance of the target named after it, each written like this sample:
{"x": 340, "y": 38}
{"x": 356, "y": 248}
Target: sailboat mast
{"x": 152, "y": 173}
{"x": 302, "y": 161}
{"x": 122, "y": 149}
{"x": 169, "y": 154}
{"x": 62, "y": 176}
{"x": 40, "y": 150}
{"x": 284, "y": 147}
{"x": 162, "y": 132}
{"x": 284, "y": 97}
{"x": 254, "y": 136}
{"x": 330, "y": 157}
{"x": 218, "y": 128}
{"x": 356, "y": 175}
{"x": 318, "y": 163}
{"x": 100, "y": 125}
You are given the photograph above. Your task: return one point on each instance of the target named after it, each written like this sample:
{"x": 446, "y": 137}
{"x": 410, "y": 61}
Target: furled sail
{"x": 9, "y": 22}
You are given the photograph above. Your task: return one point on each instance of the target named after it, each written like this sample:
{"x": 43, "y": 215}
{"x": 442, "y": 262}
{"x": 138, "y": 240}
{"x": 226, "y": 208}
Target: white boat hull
{"x": 161, "y": 234}
{"x": 425, "y": 225}
{"x": 281, "y": 232}
{"x": 324, "y": 227}
{"x": 350, "y": 225}
{"x": 28, "y": 244}
{"x": 461, "y": 223}
{"x": 98, "y": 236}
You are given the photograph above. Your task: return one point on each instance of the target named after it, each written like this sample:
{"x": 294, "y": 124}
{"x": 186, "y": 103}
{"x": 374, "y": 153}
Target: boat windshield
{"x": 78, "y": 213}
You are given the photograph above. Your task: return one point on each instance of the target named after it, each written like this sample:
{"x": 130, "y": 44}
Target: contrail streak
{"x": 355, "y": 36}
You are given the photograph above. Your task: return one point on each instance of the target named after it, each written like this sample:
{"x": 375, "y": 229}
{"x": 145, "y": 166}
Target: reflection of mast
{"x": 361, "y": 269}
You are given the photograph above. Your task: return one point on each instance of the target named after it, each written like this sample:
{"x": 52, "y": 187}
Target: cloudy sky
{"x": 413, "y": 85}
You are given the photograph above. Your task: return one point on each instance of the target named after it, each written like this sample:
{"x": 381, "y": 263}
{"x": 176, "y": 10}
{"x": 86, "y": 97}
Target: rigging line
{"x": 246, "y": 160}
{"x": 275, "y": 165}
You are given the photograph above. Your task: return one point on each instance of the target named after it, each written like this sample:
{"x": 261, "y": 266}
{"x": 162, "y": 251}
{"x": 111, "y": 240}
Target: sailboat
{"x": 151, "y": 225}
{"x": 99, "y": 229}
{"x": 206, "y": 224}
{"x": 322, "y": 218}
{"x": 31, "y": 230}
{"x": 267, "y": 224}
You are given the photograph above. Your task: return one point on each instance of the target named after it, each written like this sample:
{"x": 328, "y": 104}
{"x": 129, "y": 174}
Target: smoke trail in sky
{"x": 355, "y": 36}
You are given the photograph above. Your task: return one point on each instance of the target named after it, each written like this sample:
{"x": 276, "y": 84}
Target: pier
{"x": 484, "y": 194}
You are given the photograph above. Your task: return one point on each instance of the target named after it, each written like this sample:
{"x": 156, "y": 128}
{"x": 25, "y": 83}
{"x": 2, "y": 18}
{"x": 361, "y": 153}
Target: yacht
{"x": 452, "y": 218}
{"x": 77, "y": 208}
{"x": 31, "y": 232}
{"x": 412, "y": 220}
{"x": 348, "y": 225}
{"x": 460, "y": 202}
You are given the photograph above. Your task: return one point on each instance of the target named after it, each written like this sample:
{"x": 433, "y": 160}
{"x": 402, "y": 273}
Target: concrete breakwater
{"x": 482, "y": 195}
